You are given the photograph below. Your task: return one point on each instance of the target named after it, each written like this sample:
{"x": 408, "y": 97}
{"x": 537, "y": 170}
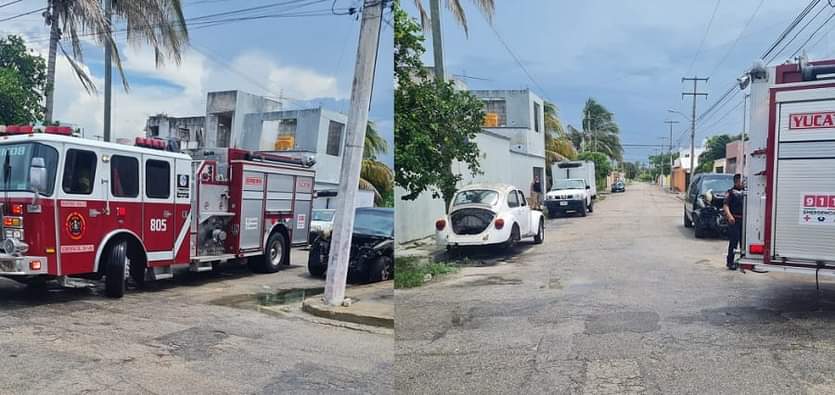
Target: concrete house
{"x": 243, "y": 120}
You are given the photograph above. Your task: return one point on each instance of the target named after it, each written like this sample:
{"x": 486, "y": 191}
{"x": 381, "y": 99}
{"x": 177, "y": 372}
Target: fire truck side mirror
{"x": 37, "y": 175}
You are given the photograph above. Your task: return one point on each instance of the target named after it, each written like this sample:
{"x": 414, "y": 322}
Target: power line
{"x": 813, "y": 34}
{"x": 797, "y": 34}
{"x": 516, "y": 59}
{"x": 704, "y": 37}
{"x": 736, "y": 41}
{"x": 10, "y": 3}
{"x": 22, "y": 14}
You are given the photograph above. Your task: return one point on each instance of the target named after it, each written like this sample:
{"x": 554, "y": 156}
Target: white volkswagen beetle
{"x": 489, "y": 214}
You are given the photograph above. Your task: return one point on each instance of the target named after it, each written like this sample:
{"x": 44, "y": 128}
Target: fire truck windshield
{"x": 15, "y": 170}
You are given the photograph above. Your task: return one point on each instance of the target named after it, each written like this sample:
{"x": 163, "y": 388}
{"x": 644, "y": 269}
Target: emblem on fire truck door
{"x": 75, "y": 225}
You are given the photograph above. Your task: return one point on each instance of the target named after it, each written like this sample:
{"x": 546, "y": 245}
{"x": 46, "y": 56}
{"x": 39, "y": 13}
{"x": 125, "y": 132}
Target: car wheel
{"x": 314, "y": 260}
{"x": 591, "y": 207}
{"x": 116, "y": 269}
{"x": 540, "y": 234}
{"x": 273, "y": 257}
{"x": 380, "y": 270}
{"x": 514, "y": 237}
{"x": 687, "y": 222}
{"x": 583, "y": 210}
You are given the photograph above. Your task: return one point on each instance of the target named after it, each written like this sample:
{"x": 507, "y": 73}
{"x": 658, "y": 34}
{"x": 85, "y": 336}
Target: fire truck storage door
{"x": 252, "y": 210}
{"x": 158, "y": 230}
{"x": 804, "y": 198}
{"x": 303, "y": 198}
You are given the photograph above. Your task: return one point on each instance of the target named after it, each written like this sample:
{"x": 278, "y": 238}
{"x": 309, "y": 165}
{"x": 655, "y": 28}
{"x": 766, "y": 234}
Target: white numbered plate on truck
{"x": 818, "y": 209}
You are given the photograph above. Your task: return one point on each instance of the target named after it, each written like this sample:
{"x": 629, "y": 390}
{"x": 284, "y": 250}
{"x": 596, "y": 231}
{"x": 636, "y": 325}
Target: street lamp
{"x": 679, "y": 113}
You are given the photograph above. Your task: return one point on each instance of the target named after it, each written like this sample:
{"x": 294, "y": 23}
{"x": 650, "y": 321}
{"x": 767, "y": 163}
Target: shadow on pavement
{"x": 484, "y": 256}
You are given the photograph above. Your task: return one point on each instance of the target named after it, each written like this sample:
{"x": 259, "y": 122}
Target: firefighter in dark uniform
{"x": 732, "y": 209}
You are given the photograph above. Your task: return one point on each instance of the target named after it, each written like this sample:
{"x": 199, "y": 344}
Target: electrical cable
{"x": 704, "y": 37}
{"x": 738, "y": 37}
{"x": 22, "y": 14}
{"x": 10, "y": 3}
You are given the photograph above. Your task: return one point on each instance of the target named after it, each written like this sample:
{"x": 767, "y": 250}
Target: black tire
{"x": 314, "y": 260}
{"x": 591, "y": 207}
{"x": 687, "y": 222}
{"x": 701, "y": 232}
{"x": 274, "y": 256}
{"x": 514, "y": 237}
{"x": 115, "y": 267}
{"x": 380, "y": 270}
{"x": 540, "y": 234}
{"x": 583, "y": 210}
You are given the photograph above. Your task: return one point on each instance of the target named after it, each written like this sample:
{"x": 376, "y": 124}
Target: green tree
{"x": 660, "y": 164}
{"x": 600, "y": 131}
{"x": 631, "y": 169}
{"x": 557, "y": 144}
{"x": 22, "y": 83}
{"x": 434, "y": 124}
{"x": 158, "y": 23}
{"x": 375, "y": 175}
{"x": 602, "y": 165}
{"x": 714, "y": 149}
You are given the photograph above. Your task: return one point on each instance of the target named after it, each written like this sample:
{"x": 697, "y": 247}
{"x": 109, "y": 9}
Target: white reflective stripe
{"x": 279, "y": 195}
{"x": 160, "y": 256}
{"x": 304, "y": 196}
{"x": 253, "y": 194}
{"x": 183, "y": 231}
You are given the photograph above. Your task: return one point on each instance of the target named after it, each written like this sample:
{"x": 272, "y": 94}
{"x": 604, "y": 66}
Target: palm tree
{"x": 557, "y": 145}
{"x": 375, "y": 175}
{"x": 487, "y": 7}
{"x": 158, "y": 23}
{"x": 600, "y": 131}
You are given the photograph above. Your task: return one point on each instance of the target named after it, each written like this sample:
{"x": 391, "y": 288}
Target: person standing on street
{"x": 732, "y": 209}
{"x": 536, "y": 194}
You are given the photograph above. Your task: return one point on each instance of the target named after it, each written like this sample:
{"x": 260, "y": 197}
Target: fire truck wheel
{"x": 273, "y": 257}
{"x": 115, "y": 268}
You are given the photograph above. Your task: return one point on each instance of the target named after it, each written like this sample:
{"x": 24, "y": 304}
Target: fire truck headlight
{"x": 14, "y": 246}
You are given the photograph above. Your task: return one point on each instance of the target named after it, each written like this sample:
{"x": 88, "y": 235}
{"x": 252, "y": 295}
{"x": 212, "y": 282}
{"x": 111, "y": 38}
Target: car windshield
{"x": 476, "y": 196}
{"x": 717, "y": 184}
{"x": 374, "y": 223}
{"x": 15, "y": 161}
{"x": 568, "y": 184}
{"x": 323, "y": 215}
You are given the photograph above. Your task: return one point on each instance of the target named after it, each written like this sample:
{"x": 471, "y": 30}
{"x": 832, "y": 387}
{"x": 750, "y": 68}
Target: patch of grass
{"x": 409, "y": 272}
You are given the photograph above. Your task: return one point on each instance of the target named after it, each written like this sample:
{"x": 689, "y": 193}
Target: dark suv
{"x": 703, "y": 204}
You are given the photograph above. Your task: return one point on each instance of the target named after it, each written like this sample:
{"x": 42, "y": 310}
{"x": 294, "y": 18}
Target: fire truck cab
{"x": 73, "y": 207}
{"x": 789, "y": 212}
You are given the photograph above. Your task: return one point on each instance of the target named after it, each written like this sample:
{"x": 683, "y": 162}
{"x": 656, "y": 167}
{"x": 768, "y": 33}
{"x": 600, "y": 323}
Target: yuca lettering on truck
{"x": 73, "y": 207}
{"x": 789, "y": 211}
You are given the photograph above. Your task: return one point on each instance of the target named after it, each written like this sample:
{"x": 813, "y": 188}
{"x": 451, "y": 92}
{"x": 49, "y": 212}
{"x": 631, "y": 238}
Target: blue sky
{"x": 308, "y": 59}
{"x": 628, "y": 55}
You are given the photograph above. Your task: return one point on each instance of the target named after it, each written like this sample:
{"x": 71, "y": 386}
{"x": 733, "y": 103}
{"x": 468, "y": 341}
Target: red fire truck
{"x": 789, "y": 212}
{"x": 73, "y": 207}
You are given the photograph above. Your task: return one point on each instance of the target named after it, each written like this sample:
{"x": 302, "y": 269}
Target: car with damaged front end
{"x": 372, "y": 247}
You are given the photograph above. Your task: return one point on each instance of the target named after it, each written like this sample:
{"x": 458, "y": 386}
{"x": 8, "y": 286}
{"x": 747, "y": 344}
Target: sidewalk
{"x": 371, "y": 304}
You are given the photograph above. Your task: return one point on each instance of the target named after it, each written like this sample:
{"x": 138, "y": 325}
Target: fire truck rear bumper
{"x": 11, "y": 265}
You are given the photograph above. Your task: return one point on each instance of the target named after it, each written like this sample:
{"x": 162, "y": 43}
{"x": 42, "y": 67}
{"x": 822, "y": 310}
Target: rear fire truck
{"x": 789, "y": 212}
{"x": 73, "y": 207}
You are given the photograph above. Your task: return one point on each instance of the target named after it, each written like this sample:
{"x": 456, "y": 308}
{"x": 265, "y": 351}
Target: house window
{"x": 124, "y": 176}
{"x": 286, "y": 140}
{"x": 79, "y": 172}
{"x": 334, "y": 137}
{"x": 496, "y": 112}
{"x": 537, "y": 110}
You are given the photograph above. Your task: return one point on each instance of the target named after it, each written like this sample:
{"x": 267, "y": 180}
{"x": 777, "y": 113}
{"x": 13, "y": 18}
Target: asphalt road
{"x": 625, "y": 300}
{"x": 184, "y": 336}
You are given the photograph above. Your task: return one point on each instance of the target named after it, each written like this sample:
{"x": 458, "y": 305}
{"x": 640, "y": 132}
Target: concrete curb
{"x": 357, "y": 313}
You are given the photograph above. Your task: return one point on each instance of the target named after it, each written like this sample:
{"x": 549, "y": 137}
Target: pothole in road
{"x": 742, "y": 315}
{"x": 635, "y": 321}
{"x": 268, "y": 297}
{"x": 492, "y": 280}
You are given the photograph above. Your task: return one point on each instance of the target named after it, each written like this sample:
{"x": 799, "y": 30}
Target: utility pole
{"x": 108, "y": 69}
{"x": 349, "y": 174}
{"x": 693, "y": 94}
{"x": 437, "y": 40}
{"x": 670, "y": 152}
